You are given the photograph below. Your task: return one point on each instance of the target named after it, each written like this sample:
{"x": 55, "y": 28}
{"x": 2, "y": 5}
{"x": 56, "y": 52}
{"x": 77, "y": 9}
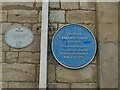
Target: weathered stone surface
{"x": 87, "y": 74}
{"x": 38, "y": 72}
{"x": 28, "y": 57}
{"x": 51, "y": 59}
{"x": 57, "y": 16}
{"x": 87, "y": 5}
{"x": 92, "y": 28}
{"x": 4, "y": 84}
{"x": 106, "y": 11}
{"x": 4, "y": 16}
{"x": 3, "y": 57}
{"x": 11, "y": 57}
{"x": 28, "y": 4}
{"x": 109, "y": 33}
{"x": 36, "y": 29}
{"x": 61, "y": 25}
{"x": 108, "y": 53}
{"x": 108, "y": 22}
{"x": 1, "y": 38}
{"x": 84, "y": 85}
{"x": 80, "y": 16}
{"x": 54, "y": 4}
{"x": 40, "y": 16}
{"x": 23, "y": 85}
{"x": 69, "y": 5}
{"x": 35, "y": 57}
{"x": 52, "y": 28}
{"x": 25, "y": 57}
{"x": 18, "y": 72}
{"x": 5, "y": 47}
{"x": 38, "y": 3}
{"x": 51, "y": 73}
{"x": 59, "y": 85}
{"x": 23, "y": 16}
{"x": 95, "y": 60}
{"x": 28, "y": 25}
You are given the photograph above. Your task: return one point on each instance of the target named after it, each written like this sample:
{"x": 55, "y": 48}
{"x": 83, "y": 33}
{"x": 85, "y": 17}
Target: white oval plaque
{"x": 19, "y": 37}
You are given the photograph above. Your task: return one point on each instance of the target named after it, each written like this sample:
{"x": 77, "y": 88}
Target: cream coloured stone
{"x": 11, "y": 57}
{"x": 23, "y": 16}
{"x": 18, "y": 72}
{"x": 87, "y": 74}
{"x": 69, "y": 5}
{"x": 84, "y": 85}
{"x": 57, "y": 16}
{"x": 80, "y": 16}
{"x": 108, "y": 57}
{"x": 23, "y": 85}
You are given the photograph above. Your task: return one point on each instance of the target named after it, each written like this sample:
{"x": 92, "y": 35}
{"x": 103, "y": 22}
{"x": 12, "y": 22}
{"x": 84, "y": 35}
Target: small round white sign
{"x": 19, "y": 37}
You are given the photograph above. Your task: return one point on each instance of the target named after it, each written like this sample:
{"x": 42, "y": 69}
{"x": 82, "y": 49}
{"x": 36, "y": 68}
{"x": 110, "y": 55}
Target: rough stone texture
{"x": 18, "y": 72}
{"x": 28, "y": 57}
{"x": 87, "y": 74}
{"x": 30, "y": 16}
{"x": 58, "y": 86}
{"x": 35, "y": 57}
{"x": 69, "y": 5}
{"x": 38, "y": 3}
{"x": 36, "y": 29}
{"x": 0, "y": 72}
{"x": 108, "y": 18}
{"x": 25, "y": 57}
{"x": 5, "y": 47}
{"x": 4, "y": 16}
{"x": 52, "y": 29}
{"x": 40, "y": 16}
{"x": 38, "y": 72}
{"x": 83, "y": 85}
{"x": 108, "y": 53}
{"x": 54, "y": 4}
{"x": 51, "y": 59}
{"x": 28, "y": 4}
{"x": 87, "y": 5}
{"x": 3, "y": 57}
{"x": 22, "y": 85}
{"x": 57, "y": 16}
{"x": 11, "y": 57}
{"x": 1, "y": 38}
{"x": 4, "y": 84}
{"x": 51, "y": 75}
{"x": 95, "y": 60}
{"x": 80, "y": 16}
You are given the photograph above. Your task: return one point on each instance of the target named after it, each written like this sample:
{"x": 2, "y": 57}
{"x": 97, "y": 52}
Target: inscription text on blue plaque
{"x": 74, "y": 46}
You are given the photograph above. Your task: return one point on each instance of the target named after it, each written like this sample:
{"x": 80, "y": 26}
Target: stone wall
{"x": 21, "y": 66}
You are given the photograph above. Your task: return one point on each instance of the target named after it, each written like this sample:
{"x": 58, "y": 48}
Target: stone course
{"x": 18, "y": 72}
{"x": 80, "y": 16}
{"x": 23, "y": 16}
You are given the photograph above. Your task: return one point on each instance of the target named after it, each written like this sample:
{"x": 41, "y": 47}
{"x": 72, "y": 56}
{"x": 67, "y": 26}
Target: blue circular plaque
{"x": 74, "y": 46}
